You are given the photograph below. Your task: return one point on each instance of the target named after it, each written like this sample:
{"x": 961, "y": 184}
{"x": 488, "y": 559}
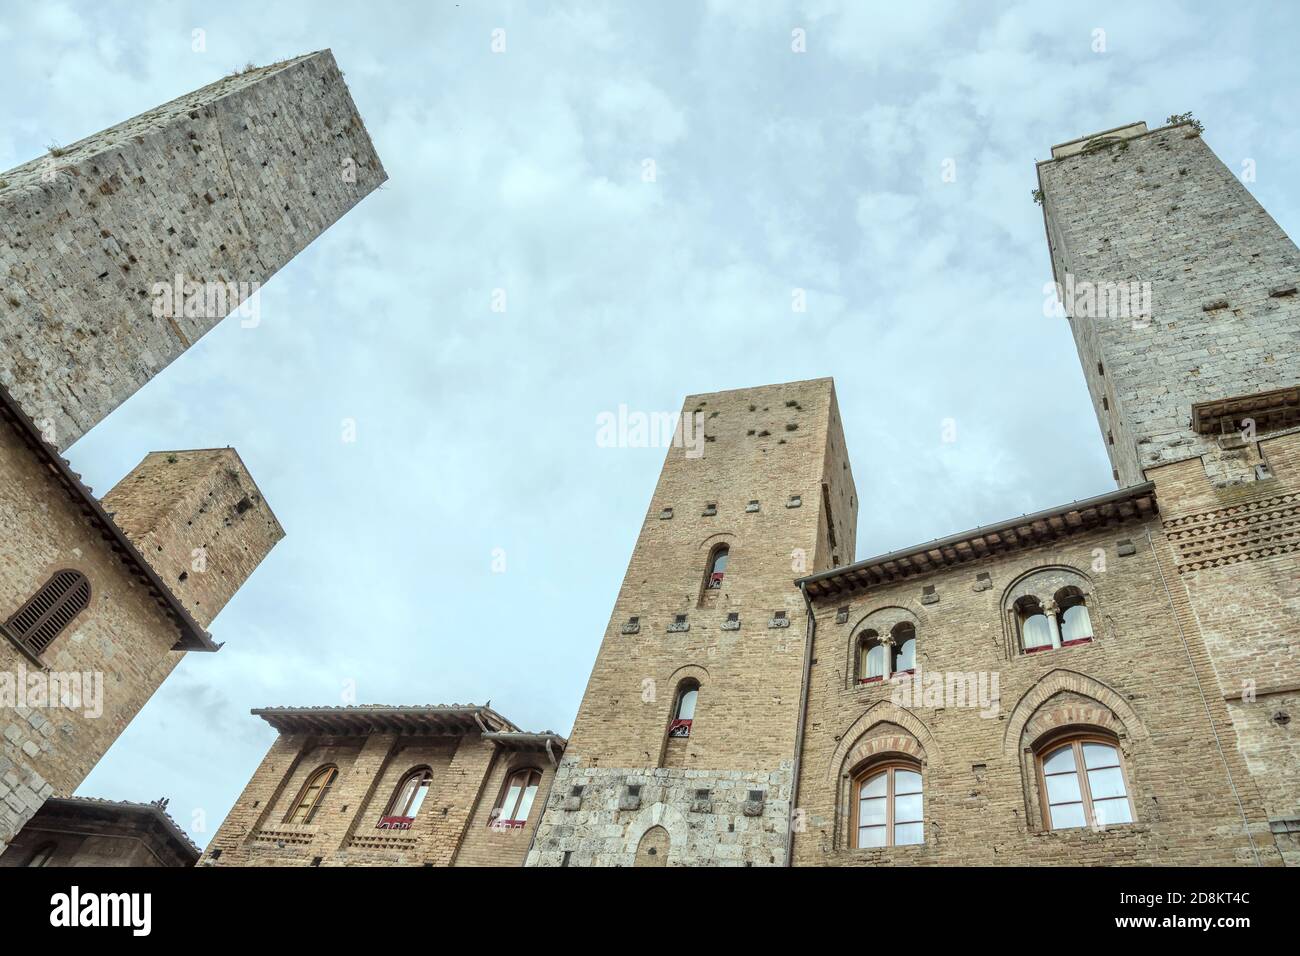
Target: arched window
{"x": 50, "y": 610}
{"x": 653, "y": 848}
{"x": 684, "y": 710}
{"x": 1035, "y": 627}
{"x": 887, "y": 806}
{"x": 873, "y": 659}
{"x": 717, "y": 567}
{"x": 313, "y": 795}
{"x": 409, "y": 796}
{"x": 516, "y": 800}
{"x": 904, "y": 649}
{"x": 1076, "y": 625}
{"x": 42, "y": 855}
{"x": 1082, "y": 783}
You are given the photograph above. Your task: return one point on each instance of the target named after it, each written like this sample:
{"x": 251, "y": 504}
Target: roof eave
{"x": 1135, "y": 493}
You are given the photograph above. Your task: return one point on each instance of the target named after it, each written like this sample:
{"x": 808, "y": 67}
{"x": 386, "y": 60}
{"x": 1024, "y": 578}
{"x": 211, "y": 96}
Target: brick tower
{"x": 1199, "y": 391}
{"x": 683, "y": 748}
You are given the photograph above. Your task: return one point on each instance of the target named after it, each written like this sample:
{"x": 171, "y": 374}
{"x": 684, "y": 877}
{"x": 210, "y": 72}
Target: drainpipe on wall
{"x": 810, "y": 632}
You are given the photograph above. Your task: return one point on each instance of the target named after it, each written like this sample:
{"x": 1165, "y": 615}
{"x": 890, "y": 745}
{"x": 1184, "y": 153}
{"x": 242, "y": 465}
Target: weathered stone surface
{"x": 223, "y": 185}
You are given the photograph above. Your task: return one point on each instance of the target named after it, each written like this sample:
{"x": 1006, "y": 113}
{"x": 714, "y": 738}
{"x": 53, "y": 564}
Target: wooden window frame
{"x": 333, "y": 772}
{"x": 1077, "y": 739}
{"x": 870, "y": 772}
{"x": 499, "y": 819}
{"x": 419, "y": 774}
{"x": 864, "y": 643}
{"x": 676, "y": 722}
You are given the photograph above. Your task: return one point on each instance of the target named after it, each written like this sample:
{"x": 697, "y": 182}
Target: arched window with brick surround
{"x": 717, "y": 567}
{"x": 1082, "y": 781}
{"x": 312, "y": 795}
{"x": 407, "y": 799}
{"x": 49, "y": 611}
{"x": 688, "y": 693}
{"x": 516, "y": 800}
{"x": 887, "y": 805}
{"x": 1048, "y": 609}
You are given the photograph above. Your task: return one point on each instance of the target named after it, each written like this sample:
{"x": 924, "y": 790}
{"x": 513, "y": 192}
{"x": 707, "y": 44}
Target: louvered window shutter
{"x": 50, "y": 610}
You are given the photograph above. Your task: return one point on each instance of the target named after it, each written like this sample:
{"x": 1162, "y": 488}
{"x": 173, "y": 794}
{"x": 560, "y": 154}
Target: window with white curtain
{"x": 873, "y": 661}
{"x": 904, "y": 648}
{"x": 1035, "y": 628}
{"x": 1076, "y": 625}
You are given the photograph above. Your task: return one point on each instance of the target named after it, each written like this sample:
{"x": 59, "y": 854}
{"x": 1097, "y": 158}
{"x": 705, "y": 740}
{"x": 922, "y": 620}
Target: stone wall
{"x": 223, "y": 185}
{"x": 709, "y": 816}
{"x": 1161, "y": 208}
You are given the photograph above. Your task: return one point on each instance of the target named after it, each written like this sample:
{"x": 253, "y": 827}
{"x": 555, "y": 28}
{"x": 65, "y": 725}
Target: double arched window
{"x": 409, "y": 796}
{"x": 312, "y": 795}
{"x": 1061, "y": 621}
{"x": 49, "y": 611}
{"x": 1082, "y": 782}
{"x": 1049, "y": 608}
{"x": 517, "y": 800}
{"x": 879, "y": 657}
{"x": 887, "y": 805}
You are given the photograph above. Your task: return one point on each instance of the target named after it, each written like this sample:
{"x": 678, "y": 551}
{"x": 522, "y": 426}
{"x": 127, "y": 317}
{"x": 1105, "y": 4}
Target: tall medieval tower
{"x": 216, "y": 191}
{"x": 683, "y": 748}
{"x": 1199, "y": 392}
{"x": 207, "y": 195}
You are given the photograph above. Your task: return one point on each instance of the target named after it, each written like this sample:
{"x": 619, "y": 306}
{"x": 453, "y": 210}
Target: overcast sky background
{"x": 522, "y": 170}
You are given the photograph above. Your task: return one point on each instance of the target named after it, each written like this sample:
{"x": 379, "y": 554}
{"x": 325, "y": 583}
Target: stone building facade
{"x": 1107, "y": 682}
{"x": 450, "y": 785}
{"x": 100, "y": 599}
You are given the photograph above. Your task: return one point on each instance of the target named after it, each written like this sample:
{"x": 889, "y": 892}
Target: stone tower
{"x": 1198, "y": 391}
{"x": 202, "y": 198}
{"x": 119, "y": 252}
{"x": 683, "y": 747}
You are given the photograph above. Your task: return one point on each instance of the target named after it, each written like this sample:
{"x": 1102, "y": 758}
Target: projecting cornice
{"x": 1126, "y": 504}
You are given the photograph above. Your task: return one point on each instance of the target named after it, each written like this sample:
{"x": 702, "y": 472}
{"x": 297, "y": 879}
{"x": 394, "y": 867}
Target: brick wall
{"x": 780, "y": 446}
{"x": 1137, "y": 679}
{"x": 450, "y": 829}
{"x": 123, "y": 637}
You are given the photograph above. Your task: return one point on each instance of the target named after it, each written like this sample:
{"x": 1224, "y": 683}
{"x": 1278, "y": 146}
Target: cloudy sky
{"x": 524, "y": 170}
